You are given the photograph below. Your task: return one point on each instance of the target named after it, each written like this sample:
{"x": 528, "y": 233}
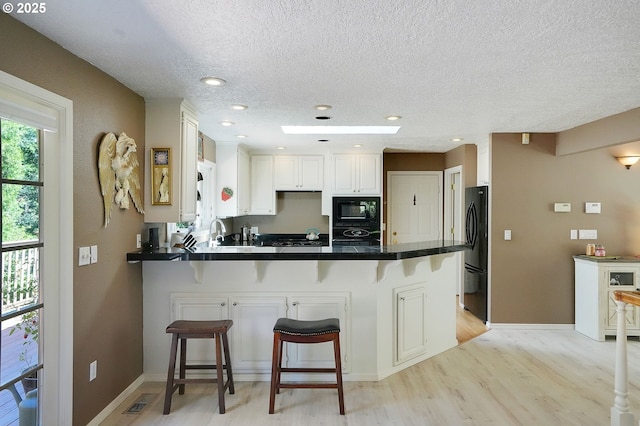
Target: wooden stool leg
{"x": 183, "y": 363}
{"x": 220, "y": 378}
{"x": 170, "y": 374}
{"x": 275, "y": 370}
{"x": 280, "y": 352}
{"x": 227, "y": 359}
{"x": 336, "y": 351}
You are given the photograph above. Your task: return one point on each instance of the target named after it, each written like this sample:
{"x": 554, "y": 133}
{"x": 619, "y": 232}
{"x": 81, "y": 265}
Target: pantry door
{"x": 414, "y": 206}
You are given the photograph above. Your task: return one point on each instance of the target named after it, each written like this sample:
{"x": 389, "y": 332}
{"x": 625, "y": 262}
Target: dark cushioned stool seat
{"x": 183, "y": 330}
{"x": 297, "y": 331}
{"x": 307, "y": 328}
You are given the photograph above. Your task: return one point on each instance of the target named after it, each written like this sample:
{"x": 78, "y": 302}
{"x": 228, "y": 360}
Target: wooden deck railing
{"x": 621, "y": 414}
{"x": 19, "y": 278}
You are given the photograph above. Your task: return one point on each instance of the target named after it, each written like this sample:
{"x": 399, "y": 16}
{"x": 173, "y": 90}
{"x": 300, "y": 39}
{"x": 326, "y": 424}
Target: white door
{"x": 414, "y": 206}
{"x": 50, "y": 306}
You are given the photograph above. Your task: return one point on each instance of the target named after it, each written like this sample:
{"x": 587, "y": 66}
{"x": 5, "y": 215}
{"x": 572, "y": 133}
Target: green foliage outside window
{"x": 20, "y": 161}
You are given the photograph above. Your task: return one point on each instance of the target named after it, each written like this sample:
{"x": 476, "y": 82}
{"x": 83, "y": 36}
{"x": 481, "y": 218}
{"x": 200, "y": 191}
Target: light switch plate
{"x": 507, "y": 234}
{"x": 588, "y": 234}
{"x": 84, "y": 256}
{"x": 94, "y": 254}
{"x": 562, "y": 207}
{"x": 590, "y": 207}
{"x": 574, "y": 234}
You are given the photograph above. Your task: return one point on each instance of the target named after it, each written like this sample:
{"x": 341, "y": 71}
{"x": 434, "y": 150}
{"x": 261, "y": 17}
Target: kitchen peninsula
{"x": 396, "y": 304}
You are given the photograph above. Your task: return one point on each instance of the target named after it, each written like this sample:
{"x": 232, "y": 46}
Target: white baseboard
{"x": 116, "y": 402}
{"x": 507, "y": 326}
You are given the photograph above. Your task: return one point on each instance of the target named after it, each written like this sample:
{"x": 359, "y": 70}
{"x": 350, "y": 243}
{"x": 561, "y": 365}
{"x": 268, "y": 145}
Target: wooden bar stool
{"x": 183, "y": 330}
{"x": 295, "y": 331}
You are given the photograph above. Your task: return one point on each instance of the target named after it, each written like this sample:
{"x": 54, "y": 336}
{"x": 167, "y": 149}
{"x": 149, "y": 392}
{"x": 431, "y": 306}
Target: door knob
{"x": 395, "y": 233}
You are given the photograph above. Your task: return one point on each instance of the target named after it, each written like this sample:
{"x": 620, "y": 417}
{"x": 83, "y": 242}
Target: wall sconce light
{"x": 628, "y": 160}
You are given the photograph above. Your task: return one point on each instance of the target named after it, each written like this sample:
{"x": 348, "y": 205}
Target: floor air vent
{"x": 141, "y": 403}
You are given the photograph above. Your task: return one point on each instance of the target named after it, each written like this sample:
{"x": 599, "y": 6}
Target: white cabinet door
{"x": 263, "y": 196}
{"x": 357, "y": 174}
{"x": 311, "y": 172}
{"x": 233, "y": 197}
{"x": 244, "y": 183}
{"x": 411, "y": 333}
{"x": 199, "y": 307}
{"x": 344, "y": 173}
{"x": 299, "y": 173}
{"x": 368, "y": 173}
{"x": 286, "y": 173}
{"x": 252, "y": 331}
{"x": 308, "y": 307}
{"x": 188, "y": 178}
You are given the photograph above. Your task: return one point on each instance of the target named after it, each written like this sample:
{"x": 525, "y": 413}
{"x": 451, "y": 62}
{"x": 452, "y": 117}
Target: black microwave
{"x": 363, "y": 212}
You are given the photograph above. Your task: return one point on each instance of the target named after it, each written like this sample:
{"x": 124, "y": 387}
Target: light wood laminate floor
{"x": 502, "y": 377}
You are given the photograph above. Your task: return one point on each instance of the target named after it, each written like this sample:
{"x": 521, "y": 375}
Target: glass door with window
{"x": 22, "y": 244}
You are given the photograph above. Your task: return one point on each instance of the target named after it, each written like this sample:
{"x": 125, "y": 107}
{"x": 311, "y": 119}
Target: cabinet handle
{"x": 235, "y": 303}
{"x": 295, "y": 303}
{"x": 223, "y": 303}
{"x": 402, "y": 298}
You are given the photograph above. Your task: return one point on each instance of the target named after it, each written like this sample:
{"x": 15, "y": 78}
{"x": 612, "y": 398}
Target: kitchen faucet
{"x": 219, "y": 237}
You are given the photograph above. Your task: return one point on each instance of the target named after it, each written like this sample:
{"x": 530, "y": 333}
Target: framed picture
{"x": 200, "y": 147}
{"x": 161, "y": 176}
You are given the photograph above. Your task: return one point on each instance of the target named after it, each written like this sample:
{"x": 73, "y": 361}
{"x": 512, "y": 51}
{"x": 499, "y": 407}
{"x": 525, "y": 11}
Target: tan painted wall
{"x": 532, "y": 275}
{"x": 107, "y": 295}
{"x": 297, "y": 211}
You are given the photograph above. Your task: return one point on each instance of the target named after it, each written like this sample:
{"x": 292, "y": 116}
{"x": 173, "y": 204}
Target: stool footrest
{"x": 308, "y": 370}
{"x": 308, "y": 385}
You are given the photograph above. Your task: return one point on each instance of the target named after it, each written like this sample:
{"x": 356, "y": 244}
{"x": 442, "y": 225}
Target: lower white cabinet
{"x": 305, "y": 307}
{"x": 410, "y": 322}
{"x": 186, "y": 306}
{"x": 595, "y": 307}
{"x": 254, "y": 315}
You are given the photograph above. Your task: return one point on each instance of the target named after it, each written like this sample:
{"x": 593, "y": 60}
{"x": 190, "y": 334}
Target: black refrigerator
{"x": 476, "y": 256}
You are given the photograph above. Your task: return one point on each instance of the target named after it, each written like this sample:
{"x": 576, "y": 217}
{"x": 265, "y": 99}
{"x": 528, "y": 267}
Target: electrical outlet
{"x": 94, "y": 254}
{"x": 138, "y": 241}
{"x": 93, "y": 370}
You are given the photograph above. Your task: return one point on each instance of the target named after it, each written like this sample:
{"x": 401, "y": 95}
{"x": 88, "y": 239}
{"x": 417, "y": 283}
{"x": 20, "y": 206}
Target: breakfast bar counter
{"x": 396, "y": 305}
{"x": 249, "y": 252}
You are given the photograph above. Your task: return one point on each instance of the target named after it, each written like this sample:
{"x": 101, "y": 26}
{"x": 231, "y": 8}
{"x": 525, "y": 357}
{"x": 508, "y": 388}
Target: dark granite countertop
{"x": 612, "y": 258}
{"x": 244, "y": 252}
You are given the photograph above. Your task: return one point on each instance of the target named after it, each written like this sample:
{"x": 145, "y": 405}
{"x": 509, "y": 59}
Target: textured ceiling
{"x": 456, "y": 68}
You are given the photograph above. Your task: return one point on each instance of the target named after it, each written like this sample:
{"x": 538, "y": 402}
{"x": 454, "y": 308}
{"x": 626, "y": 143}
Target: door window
{"x": 22, "y": 243}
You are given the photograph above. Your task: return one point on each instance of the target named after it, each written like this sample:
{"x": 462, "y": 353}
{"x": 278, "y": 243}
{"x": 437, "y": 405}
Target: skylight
{"x": 340, "y": 130}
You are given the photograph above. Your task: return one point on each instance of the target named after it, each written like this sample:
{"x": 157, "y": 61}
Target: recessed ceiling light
{"x": 241, "y": 136}
{"x": 393, "y": 117}
{"x": 239, "y": 107}
{"x": 227, "y": 123}
{"x": 322, "y": 107}
{"x": 281, "y": 147}
{"x": 213, "y": 81}
{"x": 358, "y": 145}
{"x": 457, "y": 140}
{"x": 340, "y": 130}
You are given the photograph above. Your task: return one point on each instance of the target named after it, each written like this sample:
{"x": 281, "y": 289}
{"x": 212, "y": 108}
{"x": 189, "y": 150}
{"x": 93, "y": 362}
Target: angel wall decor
{"x": 119, "y": 177}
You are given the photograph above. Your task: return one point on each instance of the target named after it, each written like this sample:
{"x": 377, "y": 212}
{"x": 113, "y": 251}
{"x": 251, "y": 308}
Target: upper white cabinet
{"x": 299, "y": 173}
{"x": 173, "y": 124}
{"x": 263, "y": 196}
{"x": 233, "y": 193}
{"x": 357, "y": 174}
